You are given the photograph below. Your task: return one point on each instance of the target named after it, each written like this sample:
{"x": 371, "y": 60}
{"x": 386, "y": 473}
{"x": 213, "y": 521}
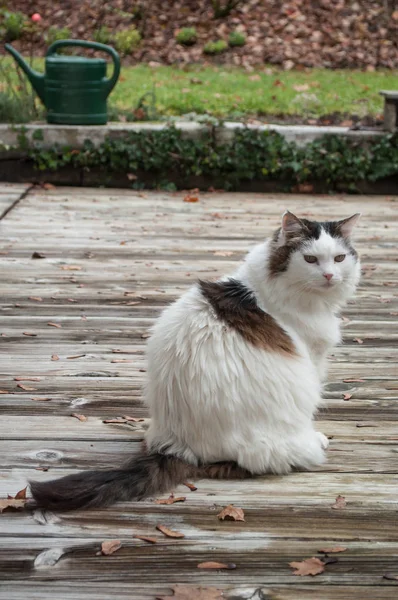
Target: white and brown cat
{"x": 235, "y": 370}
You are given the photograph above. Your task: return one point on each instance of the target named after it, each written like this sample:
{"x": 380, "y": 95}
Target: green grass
{"x": 234, "y": 93}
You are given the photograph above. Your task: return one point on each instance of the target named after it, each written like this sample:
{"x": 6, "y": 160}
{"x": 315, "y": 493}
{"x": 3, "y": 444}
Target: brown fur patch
{"x": 236, "y": 305}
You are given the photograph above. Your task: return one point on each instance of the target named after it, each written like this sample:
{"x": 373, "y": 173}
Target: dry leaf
{"x": 38, "y": 255}
{"x": 353, "y": 380}
{"x": 169, "y": 532}
{"x": 390, "y": 576}
{"x": 80, "y": 417}
{"x": 333, "y": 550}
{"x": 367, "y": 424}
{"x": 5, "y": 392}
{"x": 26, "y": 388}
{"x": 187, "y": 592}
{"x": 309, "y": 566}
{"x": 231, "y": 513}
{"x": 133, "y": 419}
{"x": 222, "y": 253}
{"x": 48, "y": 186}
{"x": 29, "y": 334}
{"x": 191, "y": 198}
{"x": 144, "y": 538}
{"x": 145, "y": 336}
{"x": 115, "y": 421}
{"x": 110, "y": 546}
{"x": 347, "y": 396}
{"x": 75, "y": 356}
{"x": 11, "y": 504}
{"x": 216, "y": 565}
{"x": 36, "y": 298}
{"x": 171, "y": 500}
{"x": 39, "y": 399}
{"x": 340, "y": 503}
{"x": 358, "y": 340}
{"x": 21, "y": 495}
{"x": 27, "y": 378}
{"x": 191, "y": 486}
{"x": 54, "y": 357}
{"x": 57, "y": 325}
{"x": 71, "y": 268}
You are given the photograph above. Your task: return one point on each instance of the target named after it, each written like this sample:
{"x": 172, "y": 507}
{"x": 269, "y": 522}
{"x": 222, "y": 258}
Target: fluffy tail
{"x": 144, "y": 476}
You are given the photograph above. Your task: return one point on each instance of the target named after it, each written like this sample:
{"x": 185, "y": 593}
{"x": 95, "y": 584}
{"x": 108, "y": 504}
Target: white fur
{"x": 215, "y": 397}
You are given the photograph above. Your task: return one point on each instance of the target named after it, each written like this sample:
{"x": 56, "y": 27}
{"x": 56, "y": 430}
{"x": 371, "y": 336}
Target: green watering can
{"x": 74, "y": 89}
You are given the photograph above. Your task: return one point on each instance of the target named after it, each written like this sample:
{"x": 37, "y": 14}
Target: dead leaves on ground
{"x": 309, "y": 566}
{"x": 16, "y": 502}
{"x": 186, "y": 592}
{"x": 81, "y": 418}
{"x": 333, "y": 550}
{"x": 110, "y": 547}
{"x": 216, "y": 565}
{"x": 340, "y": 503}
{"x": 171, "y": 499}
{"x": 145, "y": 538}
{"x": 231, "y": 513}
{"x": 169, "y": 532}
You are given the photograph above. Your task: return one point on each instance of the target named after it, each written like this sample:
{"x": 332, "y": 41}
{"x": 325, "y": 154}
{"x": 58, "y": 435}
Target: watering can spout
{"x": 35, "y": 78}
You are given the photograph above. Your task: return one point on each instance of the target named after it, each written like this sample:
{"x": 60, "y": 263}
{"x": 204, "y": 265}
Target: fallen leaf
{"x": 301, "y": 88}
{"x": 216, "y": 565}
{"x": 222, "y": 253}
{"x": 115, "y": 421}
{"x": 57, "y": 325}
{"x": 75, "y": 356}
{"x": 11, "y": 504}
{"x": 21, "y": 495}
{"x": 347, "y": 396}
{"x": 333, "y": 550}
{"x": 367, "y": 424}
{"x": 54, "y": 357}
{"x": 340, "y": 503}
{"x": 27, "y": 378}
{"x": 390, "y": 576}
{"x": 71, "y": 268}
{"x": 309, "y": 566}
{"x": 5, "y": 392}
{"x": 39, "y": 399}
{"x": 48, "y": 186}
{"x": 26, "y": 388}
{"x": 29, "y": 334}
{"x": 191, "y": 198}
{"x": 187, "y": 592}
{"x": 231, "y": 513}
{"x": 38, "y": 255}
{"x": 144, "y": 538}
{"x": 36, "y": 298}
{"x": 171, "y": 500}
{"x": 169, "y": 532}
{"x": 191, "y": 486}
{"x": 80, "y": 417}
{"x": 353, "y": 380}
{"x": 110, "y": 546}
{"x": 358, "y": 340}
{"x": 145, "y": 336}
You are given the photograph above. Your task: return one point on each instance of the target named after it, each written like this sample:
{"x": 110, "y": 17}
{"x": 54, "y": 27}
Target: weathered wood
{"x": 136, "y": 252}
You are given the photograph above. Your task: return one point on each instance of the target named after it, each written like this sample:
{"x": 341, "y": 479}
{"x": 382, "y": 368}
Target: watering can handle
{"x": 109, "y": 82}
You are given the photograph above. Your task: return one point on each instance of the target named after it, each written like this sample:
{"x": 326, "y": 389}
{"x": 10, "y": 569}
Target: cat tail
{"x": 145, "y": 475}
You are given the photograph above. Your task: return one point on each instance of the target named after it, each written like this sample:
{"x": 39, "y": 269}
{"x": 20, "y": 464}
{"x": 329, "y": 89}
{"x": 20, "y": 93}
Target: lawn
{"x": 236, "y": 94}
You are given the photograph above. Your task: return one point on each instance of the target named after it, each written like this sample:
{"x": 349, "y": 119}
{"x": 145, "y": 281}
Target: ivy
{"x": 252, "y": 155}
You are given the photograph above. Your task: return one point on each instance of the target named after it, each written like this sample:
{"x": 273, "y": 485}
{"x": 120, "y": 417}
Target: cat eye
{"x": 310, "y": 259}
{"x": 339, "y": 258}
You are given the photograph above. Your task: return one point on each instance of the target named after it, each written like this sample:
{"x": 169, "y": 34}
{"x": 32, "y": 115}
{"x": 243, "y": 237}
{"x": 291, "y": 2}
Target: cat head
{"x": 318, "y": 256}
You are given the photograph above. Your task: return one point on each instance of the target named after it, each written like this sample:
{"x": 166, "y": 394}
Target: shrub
{"x": 102, "y": 35}
{"x": 13, "y": 25}
{"x": 186, "y": 36}
{"x": 18, "y": 109}
{"x": 215, "y": 47}
{"x": 236, "y": 38}
{"x": 57, "y": 33}
{"x": 127, "y": 39}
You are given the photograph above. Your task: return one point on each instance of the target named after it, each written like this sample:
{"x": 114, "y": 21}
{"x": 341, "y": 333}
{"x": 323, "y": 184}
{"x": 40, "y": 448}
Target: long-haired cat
{"x": 235, "y": 369}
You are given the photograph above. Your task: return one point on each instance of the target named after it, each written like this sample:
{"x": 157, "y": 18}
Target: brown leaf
{"x": 353, "y": 380}
{"x": 48, "y": 186}
{"x": 309, "y": 566}
{"x": 367, "y": 424}
{"x": 29, "y": 334}
{"x": 191, "y": 198}
{"x": 390, "y": 576}
{"x": 191, "y": 486}
{"x": 145, "y": 336}
{"x": 358, "y": 340}
{"x": 27, "y": 378}
{"x": 133, "y": 419}
{"x": 347, "y": 396}
{"x": 216, "y": 565}
{"x": 54, "y": 357}
{"x": 110, "y": 546}
{"x": 169, "y": 532}
{"x": 21, "y": 495}
{"x": 71, "y": 268}
{"x": 171, "y": 500}
{"x": 57, "y": 325}
{"x": 231, "y": 513}
{"x": 115, "y": 421}
{"x": 75, "y": 356}
{"x": 187, "y": 592}
{"x": 40, "y": 399}
{"x": 340, "y": 503}
{"x": 80, "y": 417}
{"x": 333, "y": 550}
{"x": 38, "y": 255}
{"x": 11, "y": 504}
{"x": 26, "y": 388}
{"x": 36, "y": 298}
{"x": 144, "y": 538}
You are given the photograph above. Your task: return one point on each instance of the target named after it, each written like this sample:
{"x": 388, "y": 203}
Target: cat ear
{"x": 291, "y": 225}
{"x": 345, "y": 226}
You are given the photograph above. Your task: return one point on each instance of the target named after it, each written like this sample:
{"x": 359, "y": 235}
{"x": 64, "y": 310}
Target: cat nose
{"x": 328, "y": 276}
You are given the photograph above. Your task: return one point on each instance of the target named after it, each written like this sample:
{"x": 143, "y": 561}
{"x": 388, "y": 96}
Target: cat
{"x": 235, "y": 371}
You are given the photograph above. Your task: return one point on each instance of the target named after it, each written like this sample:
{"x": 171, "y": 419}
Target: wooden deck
{"x": 113, "y": 259}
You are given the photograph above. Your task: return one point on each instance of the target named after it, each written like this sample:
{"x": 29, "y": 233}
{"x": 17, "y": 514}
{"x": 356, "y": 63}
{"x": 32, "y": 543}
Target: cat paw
{"x": 323, "y": 439}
